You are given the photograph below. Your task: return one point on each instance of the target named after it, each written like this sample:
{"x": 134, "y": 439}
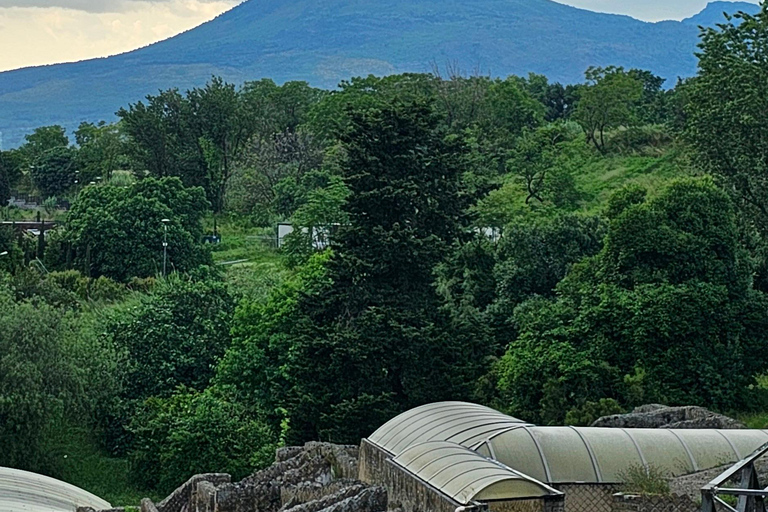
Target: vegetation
{"x": 556, "y": 252}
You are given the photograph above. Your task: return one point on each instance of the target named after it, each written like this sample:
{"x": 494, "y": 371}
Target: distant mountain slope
{"x": 324, "y": 42}
{"x": 713, "y": 13}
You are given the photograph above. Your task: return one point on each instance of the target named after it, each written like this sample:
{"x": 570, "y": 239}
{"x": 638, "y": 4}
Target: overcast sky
{"x": 34, "y": 32}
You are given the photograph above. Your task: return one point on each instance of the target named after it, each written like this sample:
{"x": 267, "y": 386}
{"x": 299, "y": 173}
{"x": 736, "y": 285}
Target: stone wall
{"x": 184, "y": 495}
{"x": 372, "y": 463}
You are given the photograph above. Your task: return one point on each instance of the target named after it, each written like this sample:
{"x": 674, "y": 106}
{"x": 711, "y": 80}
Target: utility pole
{"x": 165, "y": 246}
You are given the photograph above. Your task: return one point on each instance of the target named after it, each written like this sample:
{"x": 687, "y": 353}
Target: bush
{"x": 649, "y": 139}
{"x": 191, "y": 433}
{"x": 53, "y": 371}
{"x": 174, "y": 336}
{"x": 645, "y": 480}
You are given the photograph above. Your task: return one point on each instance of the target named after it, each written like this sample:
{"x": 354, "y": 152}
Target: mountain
{"x": 713, "y": 13}
{"x": 330, "y": 40}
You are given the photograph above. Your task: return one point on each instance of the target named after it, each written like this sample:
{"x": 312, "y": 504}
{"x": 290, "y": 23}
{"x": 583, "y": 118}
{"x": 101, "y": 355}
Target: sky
{"x": 35, "y": 32}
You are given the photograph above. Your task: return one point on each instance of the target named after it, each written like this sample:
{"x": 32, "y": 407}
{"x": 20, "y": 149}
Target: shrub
{"x": 190, "y": 433}
{"x": 646, "y": 480}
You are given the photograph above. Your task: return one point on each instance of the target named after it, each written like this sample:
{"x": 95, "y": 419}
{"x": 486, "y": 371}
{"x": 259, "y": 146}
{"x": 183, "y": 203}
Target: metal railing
{"x": 741, "y": 481}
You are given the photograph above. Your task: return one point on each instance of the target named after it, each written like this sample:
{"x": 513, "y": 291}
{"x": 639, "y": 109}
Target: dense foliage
{"x": 556, "y": 252}
{"x": 119, "y": 232}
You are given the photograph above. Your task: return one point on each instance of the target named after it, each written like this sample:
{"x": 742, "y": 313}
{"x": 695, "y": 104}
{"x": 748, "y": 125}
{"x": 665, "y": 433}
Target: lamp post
{"x": 4, "y": 253}
{"x": 165, "y": 246}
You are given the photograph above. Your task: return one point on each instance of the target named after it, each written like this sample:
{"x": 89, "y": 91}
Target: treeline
{"x": 480, "y": 250}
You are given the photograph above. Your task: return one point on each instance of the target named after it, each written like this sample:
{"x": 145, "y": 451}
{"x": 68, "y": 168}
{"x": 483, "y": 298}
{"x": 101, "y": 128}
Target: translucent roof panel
{"x": 745, "y": 441}
{"x": 612, "y": 452}
{"x": 662, "y": 449}
{"x": 466, "y": 476}
{"x": 21, "y": 491}
{"x": 462, "y": 423}
{"x": 603, "y": 455}
{"x": 709, "y": 448}
{"x": 565, "y": 454}
{"x": 517, "y": 449}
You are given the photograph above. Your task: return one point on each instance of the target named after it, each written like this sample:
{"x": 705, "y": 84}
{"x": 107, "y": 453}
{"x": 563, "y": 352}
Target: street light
{"x": 165, "y": 246}
{"x": 4, "y": 253}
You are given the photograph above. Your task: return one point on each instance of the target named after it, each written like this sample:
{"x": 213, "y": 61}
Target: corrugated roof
{"x": 466, "y": 476}
{"x": 458, "y": 422}
{"x": 557, "y": 455}
{"x": 603, "y": 455}
{"x": 21, "y": 491}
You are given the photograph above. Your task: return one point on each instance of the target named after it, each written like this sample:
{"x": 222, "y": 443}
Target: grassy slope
{"x": 84, "y": 464}
{"x": 596, "y": 177}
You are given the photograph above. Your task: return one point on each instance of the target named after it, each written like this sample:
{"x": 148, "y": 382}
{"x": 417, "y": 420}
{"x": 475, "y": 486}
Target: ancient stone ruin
{"x": 662, "y": 416}
{"x": 317, "y": 477}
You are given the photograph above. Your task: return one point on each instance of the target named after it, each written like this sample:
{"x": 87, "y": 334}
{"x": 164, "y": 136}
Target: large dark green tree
{"x": 55, "y": 171}
{"x": 368, "y": 338}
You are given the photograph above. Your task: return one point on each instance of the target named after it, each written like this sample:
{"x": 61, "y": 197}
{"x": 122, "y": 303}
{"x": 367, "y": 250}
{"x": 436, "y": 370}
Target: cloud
{"x": 93, "y": 6}
{"x": 64, "y": 34}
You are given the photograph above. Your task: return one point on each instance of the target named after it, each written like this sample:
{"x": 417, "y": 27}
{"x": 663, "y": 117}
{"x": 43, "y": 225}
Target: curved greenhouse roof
{"x": 603, "y": 455}
{"x": 466, "y": 476}
{"x": 557, "y": 455}
{"x": 21, "y": 491}
{"x": 458, "y": 422}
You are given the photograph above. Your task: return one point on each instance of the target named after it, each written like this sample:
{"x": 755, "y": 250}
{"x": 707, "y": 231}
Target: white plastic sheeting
{"x": 466, "y": 476}
{"x": 21, "y": 491}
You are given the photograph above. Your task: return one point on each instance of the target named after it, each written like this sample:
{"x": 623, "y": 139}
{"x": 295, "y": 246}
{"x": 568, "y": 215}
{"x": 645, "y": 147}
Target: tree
{"x": 102, "y": 150}
{"x": 52, "y": 372}
{"x": 119, "y": 232}
{"x": 270, "y": 171}
{"x": 5, "y": 181}
{"x": 665, "y": 312}
{"x": 161, "y": 141}
{"x": 372, "y": 315}
{"x": 220, "y": 123}
{"x": 55, "y": 171}
{"x": 509, "y": 110}
{"x": 535, "y": 160}
{"x": 278, "y": 109}
{"x": 173, "y": 336}
{"x": 199, "y": 136}
{"x": 193, "y": 432}
{"x": 608, "y": 101}
{"x": 558, "y": 100}
{"x": 727, "y": 135}
{"x": 44, "y": 139}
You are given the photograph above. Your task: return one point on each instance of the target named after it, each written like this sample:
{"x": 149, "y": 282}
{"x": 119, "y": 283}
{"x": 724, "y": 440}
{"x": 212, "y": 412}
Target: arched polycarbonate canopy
{"x": 21, "y": 491}
{"x": 458, "y": 422}
{"x": 558, "y": 455}
{"x": 605, "y": 455}
{"x": 466, "y": 476}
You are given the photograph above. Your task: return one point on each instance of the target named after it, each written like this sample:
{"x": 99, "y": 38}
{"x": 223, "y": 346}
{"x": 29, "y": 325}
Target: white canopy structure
{"x": 21, "y": 491}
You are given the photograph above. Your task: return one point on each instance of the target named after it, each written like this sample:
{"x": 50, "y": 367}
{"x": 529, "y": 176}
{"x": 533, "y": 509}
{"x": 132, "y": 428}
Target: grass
{"x": 84, "y": 464}
{"x": 598, "y": 178}
{"x": 264, "y": 266}
{"x": 757, "y": 420}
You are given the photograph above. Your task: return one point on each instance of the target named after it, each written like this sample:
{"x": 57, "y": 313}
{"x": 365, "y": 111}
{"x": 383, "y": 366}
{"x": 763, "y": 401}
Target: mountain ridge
{"x": 325, "y": 43}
